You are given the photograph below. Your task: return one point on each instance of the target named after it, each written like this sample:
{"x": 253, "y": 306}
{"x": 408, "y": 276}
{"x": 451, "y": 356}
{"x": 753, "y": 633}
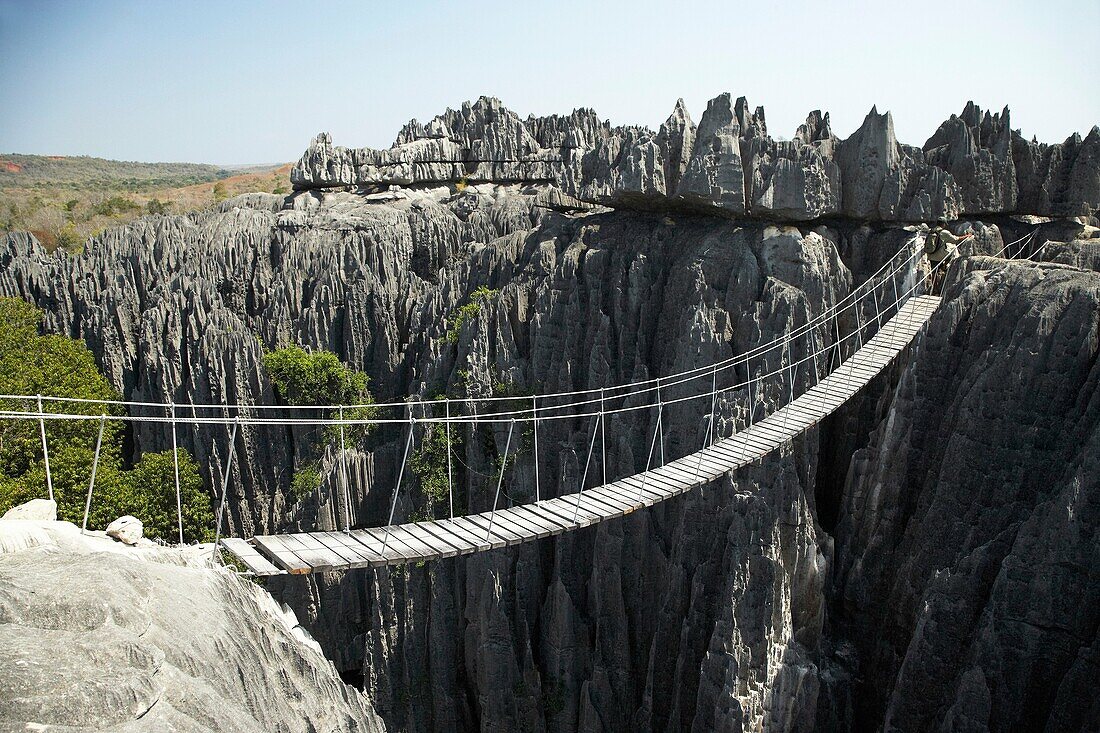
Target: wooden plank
{"x": 559, "y": 525}
{"x": 489, "y": 526}
{"x": 334, "y": 560}
{"x": 420, "y": 531}
{"x": 274, "y": 548}
{"x": 350, "y": 546}
{"x": 350, "y": 557}
{"x": 576, "y": 515}
{"x": 462, "y": 533}
{"x": 256, "y": 563}
{"x": 458, "y": 543}
{"x": 420, "y": 549}
{"x": 374, "y": 538}
{"x": 547, "y": 526}
{"x": 319, "y": 561}
{"x": 522, "y": 520}
{"x": 604, "y": 508}
{"x": 610, "y": 491}
{"x": 436, "y": 547}
{"x": 650, "y": 493}
{"x": 494, "y": 541}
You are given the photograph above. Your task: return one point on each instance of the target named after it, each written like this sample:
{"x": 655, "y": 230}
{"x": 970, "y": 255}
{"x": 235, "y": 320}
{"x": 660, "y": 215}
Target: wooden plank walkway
{"x": 307, "y": 552}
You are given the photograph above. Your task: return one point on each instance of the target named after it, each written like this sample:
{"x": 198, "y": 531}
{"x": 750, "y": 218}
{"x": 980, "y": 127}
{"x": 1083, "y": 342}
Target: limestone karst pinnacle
{"x": 728, "y": 164}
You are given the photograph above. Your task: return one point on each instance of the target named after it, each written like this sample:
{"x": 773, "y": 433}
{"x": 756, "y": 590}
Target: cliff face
{"x": 967, "y": 537}
{"x": 96, "y": 637}
{"x": 727, "y": 609}
{"x": 973, "y": 164}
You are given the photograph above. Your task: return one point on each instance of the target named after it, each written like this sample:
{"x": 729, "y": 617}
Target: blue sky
{"x": 249, "y": 82}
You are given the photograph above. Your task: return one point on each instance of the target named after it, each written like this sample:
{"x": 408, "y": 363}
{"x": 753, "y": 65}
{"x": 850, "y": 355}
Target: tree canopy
{"x": 57, "y": 366}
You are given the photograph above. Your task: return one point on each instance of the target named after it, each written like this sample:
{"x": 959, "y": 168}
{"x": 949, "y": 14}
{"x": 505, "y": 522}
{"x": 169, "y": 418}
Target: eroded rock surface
{"x": 97, "y": 639}
{"x": 973, "y": 164}
{"x": 719, "y": 611}
{"x": 967, "y": 533}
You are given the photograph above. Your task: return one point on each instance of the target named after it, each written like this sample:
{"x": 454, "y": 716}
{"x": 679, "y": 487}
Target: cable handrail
{"x": 828, "y": 314}
{"x": 537, "y": 412}
{"x": 524, "y": 415}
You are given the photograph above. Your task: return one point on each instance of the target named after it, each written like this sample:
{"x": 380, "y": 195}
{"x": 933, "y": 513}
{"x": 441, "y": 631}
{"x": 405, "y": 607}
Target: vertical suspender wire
{"x": 535, "y": 420}
{"x": 660, "y": 419}
{"x": 897, "y": 299}
{"x": 225, "y": 486}
{"x": 649, "y": 458}
{"x": 176, "y": 469}
{"x": 878, "y": 312}
{"x": 709, "y": 437}
{"x": 813, "y": 347}
{"x": 450, "y": 480}
{"x": 397, "y": 486}
{"x": 95, "y": 465}
{"x": 751, "y": 406}
{"x": 584, "y": 478}
{"x": 828, "y": 384}
{"x": 500, "y": 479}
{"x": 603, "y": 438}
{"x": 787, "y": 357}
{"x": 859, "y": 323}
{"x": 45, "y": 448}
{"x": 344, "y": 478}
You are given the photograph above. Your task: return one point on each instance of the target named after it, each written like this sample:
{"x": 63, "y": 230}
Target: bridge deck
{"x": 307, "y": 552}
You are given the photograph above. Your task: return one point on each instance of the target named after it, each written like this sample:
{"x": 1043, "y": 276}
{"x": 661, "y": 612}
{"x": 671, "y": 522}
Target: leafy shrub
{"x": 315, "y": 378}
{"x": 320, "y": 378}
{"x": 62, "y": 367}
{"x": 157, "y": 207}
{"x": 468, "y": 311}
{"x": 115, "y": 205}
{"x": 307, "y": 479}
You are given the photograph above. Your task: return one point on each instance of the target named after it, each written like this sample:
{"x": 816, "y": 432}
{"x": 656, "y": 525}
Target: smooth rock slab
{"x": 126, "y": 529}
{"x": 35, "y": 509}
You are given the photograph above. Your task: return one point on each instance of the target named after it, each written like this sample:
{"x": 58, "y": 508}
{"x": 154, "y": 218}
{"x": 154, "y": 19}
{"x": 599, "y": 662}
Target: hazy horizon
{"x": 251, "y": 84}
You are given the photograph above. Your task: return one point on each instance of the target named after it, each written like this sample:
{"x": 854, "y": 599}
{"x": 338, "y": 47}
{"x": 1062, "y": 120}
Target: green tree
{"x": 315, "y": 378}
{"x": 69, "y": 239}
{"x": 468, "y": 311}
{"x": 320, "y": 378}
{"x": 157, "y": 207}
{"x": 220, "y": 194}
{"x": 32, "y": 364}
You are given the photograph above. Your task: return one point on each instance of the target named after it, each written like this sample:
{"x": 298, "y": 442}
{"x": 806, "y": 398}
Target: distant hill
{"x": 83, "y": 172}
{"x": 65, "y": 200}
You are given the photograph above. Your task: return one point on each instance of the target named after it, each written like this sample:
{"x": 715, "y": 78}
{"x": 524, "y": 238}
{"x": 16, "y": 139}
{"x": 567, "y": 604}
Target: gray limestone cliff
{"x": 974, "y": 164}
{"x": 751, "y": 604}
{"x": 95, "y": 636}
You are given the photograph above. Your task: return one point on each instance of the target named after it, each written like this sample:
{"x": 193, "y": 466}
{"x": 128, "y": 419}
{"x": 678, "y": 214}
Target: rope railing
{"x": 779, "y": 365}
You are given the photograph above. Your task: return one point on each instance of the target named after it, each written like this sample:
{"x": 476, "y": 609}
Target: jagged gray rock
{"x": 967, "y": 530}
{"x": 974, "y": 164}
{"x": 702, "y": 613}
{"x": 94, "y": 638}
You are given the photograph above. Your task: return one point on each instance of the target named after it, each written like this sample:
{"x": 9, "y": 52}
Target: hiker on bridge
{"x": 941, "y": 248}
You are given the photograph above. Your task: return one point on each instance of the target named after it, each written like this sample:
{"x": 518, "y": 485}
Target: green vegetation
{"x": 62, "y": 367}
{"x": 307, "y": 479}
{"x": 429, "y": 463}
{"x": 45, "y": 171}
{"x": 113, "y": 206}
{"x": 468, "y": 311}
{"x": 319, "y": 378}
{"x": 63, "y": 201}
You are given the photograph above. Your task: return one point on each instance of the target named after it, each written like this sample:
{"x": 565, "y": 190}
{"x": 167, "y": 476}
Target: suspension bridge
{"x": 804, "y": 375}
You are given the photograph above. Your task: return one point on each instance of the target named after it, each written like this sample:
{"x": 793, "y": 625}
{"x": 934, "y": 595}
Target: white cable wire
{"x": 521, "y": 415}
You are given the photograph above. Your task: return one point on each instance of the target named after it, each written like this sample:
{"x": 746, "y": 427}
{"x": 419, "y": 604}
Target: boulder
{"x": 126, "y": 529}
{"x": 35, "y": 509}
